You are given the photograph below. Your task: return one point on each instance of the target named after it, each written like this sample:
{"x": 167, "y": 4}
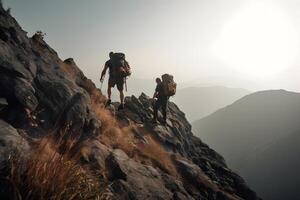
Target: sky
{"x": 251, "y": 44}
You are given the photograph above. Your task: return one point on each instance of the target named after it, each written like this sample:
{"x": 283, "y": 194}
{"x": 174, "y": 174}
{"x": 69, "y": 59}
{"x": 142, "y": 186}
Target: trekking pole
{"x": 101, "y": 83}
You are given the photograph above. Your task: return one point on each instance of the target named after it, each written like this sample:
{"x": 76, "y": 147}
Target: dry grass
{"x": 123, "y": 138}
{"x": 46, "y": 174}
{"x": 159, "y": 156}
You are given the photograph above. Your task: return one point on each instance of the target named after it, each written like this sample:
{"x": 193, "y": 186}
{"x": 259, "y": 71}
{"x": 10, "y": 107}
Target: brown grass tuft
{"x": 159, "y": 156}
{"x": 46, "y": 174}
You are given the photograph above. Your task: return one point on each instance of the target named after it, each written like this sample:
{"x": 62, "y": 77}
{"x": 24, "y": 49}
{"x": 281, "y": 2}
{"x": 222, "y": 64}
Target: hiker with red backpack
{"x": 119, "y": 69}
{"x": 165, "y": 88}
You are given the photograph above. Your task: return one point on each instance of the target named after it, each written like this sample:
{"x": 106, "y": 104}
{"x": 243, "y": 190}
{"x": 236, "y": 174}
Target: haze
{"x": 234, "y": 43}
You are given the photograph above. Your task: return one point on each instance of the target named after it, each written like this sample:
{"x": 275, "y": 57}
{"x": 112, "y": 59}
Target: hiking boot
{"x": 121, "y": 106}
{"x": 108, "y": 102}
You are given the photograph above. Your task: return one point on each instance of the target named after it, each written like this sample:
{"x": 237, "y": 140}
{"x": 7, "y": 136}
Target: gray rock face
{"x": 34, "y": 78}
{"x": 11, "y": 142}
{"x": 138, "y": 177}
{"x": 46, "y": 95}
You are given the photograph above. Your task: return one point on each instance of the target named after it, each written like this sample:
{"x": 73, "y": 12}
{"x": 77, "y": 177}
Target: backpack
{"x": 169, "y": 85}
{"x": 120, "y": 65}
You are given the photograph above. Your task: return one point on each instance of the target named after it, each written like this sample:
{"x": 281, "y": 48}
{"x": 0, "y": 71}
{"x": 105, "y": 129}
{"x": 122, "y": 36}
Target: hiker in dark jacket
{"x": 161, "y": 101}
{"x": 115, "y": 76}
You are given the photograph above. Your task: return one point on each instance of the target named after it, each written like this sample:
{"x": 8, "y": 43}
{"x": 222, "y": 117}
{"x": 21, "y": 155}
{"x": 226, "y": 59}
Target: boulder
{"x": 11, "y": 144}
{"x": 144, "y": 180}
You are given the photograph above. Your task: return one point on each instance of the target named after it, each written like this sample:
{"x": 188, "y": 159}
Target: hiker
{"x": 119, "y": 69}
{"x": 165, "y": 88}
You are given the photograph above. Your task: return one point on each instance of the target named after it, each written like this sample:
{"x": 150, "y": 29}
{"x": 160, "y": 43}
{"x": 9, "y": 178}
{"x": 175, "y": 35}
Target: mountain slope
{"x": 199, "y": 102}
{"x": 251, "y": 124}
{"x": 276, "y": 175}
{"x": 58, "y": 141}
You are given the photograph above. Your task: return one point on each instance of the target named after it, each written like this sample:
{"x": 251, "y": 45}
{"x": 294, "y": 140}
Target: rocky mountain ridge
{"x": 58, "y": 141}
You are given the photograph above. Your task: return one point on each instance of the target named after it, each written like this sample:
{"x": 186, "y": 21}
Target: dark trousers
{"x": 161, "y": 103}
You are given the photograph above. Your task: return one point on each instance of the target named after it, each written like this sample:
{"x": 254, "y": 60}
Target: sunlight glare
{"x": 259, "y": 40}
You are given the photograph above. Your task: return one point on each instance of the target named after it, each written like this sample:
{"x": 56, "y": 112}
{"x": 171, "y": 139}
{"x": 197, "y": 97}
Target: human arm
{"x": 156, "y": 92}
{"x": 103, "y": 72}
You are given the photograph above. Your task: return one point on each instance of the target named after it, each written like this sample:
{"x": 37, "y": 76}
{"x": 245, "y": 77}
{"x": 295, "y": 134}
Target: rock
{"x": 11, "y": 144}
{"x": 191, "y": 171}
{"x": 3, "y": 103}
{"x": 176, "y": 187}
{"x": 80, "y": 79}
{"x": 75, "y": 113}
{"x": 115, "y": 163}
{"x": 144, "y": 180}
{"x": 8, "y": 190}
{"x": 180, "y": 196}
{"x": 25, "y": 94}
{"x": 122, "y": 191}
{"x": 95, "y": 154}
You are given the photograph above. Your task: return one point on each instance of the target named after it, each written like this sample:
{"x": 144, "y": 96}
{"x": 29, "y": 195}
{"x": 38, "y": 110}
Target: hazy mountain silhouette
{"x": 228, "y": 81}
{"x": 198, "y": 102}
{"x": 252, "y": 134}
{"x": 273, "y": 169}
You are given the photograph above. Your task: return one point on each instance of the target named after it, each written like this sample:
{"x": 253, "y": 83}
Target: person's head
{"x": 158, "y": 80}
{"x": 111, "y": 54}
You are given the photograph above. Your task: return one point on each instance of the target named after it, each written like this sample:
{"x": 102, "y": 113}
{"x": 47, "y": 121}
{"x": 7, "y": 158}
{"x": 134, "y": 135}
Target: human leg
{"x": 156, "y": 106}
{"x": 111, "y": 83}
{"x": 120, "y": 86}
{"x": 109, "y": 92}
{"x": 164, "y": 109}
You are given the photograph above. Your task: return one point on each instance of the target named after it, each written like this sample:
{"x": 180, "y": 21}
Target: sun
{"x": 259, "y": 40}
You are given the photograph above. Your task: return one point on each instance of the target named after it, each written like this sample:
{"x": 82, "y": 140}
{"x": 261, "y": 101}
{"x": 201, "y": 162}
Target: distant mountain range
{"x": 198, "y": 102}
{"x": 259, "y": 137}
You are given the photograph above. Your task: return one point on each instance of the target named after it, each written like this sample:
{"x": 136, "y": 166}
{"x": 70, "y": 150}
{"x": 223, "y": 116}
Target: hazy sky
{"x": 238, "y": 43}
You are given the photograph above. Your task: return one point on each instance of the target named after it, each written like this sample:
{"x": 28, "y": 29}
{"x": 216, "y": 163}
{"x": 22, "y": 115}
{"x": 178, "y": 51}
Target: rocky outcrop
{"x": 177, "y": 139}
{"x": 131, "y": 158}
